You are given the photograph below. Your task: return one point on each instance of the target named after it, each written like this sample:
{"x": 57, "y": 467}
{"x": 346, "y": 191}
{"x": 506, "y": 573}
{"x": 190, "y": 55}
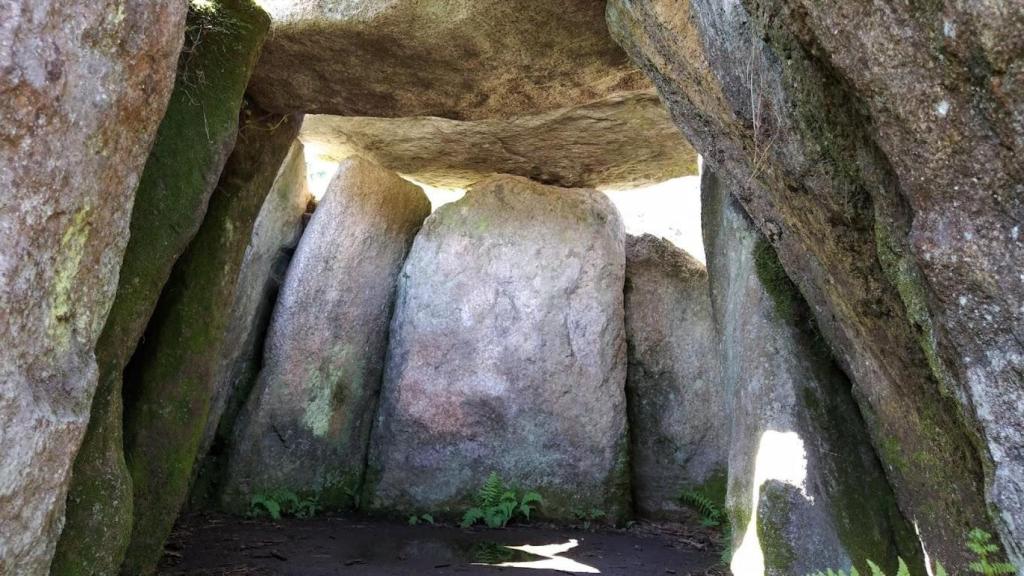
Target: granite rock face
{"x": 275, "y": 235}
{"x": 306, "y": 425}
{"x": 616, "y": 143}
{"x": 460, "y": 59}
{"x": 195, "y": 137}
{"x": 507, "y": 353}
{"x": 170, "y": 380}
{"x": 878, "y": 151}
{"x": 806, "y": 491}
{"x": 83, "y": 94}
{"x": 678, "y": 412}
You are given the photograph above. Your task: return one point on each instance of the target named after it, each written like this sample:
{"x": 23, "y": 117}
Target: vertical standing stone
{"x": 307, "y": 423}
{"x": 274, "y": 238}
{"x": 170, "y": 380}
{"x": 678, "y": 413}
{"x": 82, "y": 88}
{"x": 806, "y": 490}
{"x": 507, "y": 354}
{"x": 194, "y": 140}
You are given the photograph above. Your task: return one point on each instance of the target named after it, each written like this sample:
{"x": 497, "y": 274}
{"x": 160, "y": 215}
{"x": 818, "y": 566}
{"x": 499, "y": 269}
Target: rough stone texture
{"x": 507, "y": 353}
{"x": 82, "y": 94}
{"x": 275, "y": 235}
{"x": 306, "y": 425}
{"x": 803, "y": 476}
{"x": 460, "y": 59}
{"x": 678, "y": 424}
{"x": 194, "y": 140}
{"x": 878, "y": 150}
{"x": 169, "y": 382}
{"x": 617, "y": 143}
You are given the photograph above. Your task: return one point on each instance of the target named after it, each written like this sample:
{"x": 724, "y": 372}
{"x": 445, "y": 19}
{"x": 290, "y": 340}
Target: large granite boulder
{"x": 507, "y": 354}
{"x": 170, "y": 380}
{"x": 195, "y": 138}
{"x": 678, "y": 417}
{"x": 275, "y": 235}
{"x": 82, "y": 95}
{"x": 622, "y": 142}
{"x": 806, "y": 492}
{"x": 459, "y": 59}
{"x": 879, "y": 151}
{"x": 306, "y": 425}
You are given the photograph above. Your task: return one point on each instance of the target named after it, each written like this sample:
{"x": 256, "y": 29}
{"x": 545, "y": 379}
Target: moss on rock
{"x": 170, "y": 380}
{"x": 191, "y": 146}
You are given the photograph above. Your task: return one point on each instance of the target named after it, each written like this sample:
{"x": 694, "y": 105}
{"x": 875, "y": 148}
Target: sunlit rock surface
{"x": 806, "y": 491}
{"x": 306, "y": 425}
{"x": 459, "y": 59}
{"x": 274, "y": 237}
{"x": 170, "y": 381}
{"x": 879, "y": 151}
{"x": 196, "y": 136}
{"x": 507, "y": 354}
{"x": 678, "y": 416}
{"x": 81, "y": 96}
{"x": 622, "y": 142}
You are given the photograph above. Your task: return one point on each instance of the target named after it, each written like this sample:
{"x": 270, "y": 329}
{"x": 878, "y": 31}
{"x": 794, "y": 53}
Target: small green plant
{"x": 421, "y": 519}
{"x": 711, "y": 515}
{"x": 978, "y": 541}
{"x": 588, "y": 517}
{"x": 282, "y": 502}
{"x": 496, "y": 504}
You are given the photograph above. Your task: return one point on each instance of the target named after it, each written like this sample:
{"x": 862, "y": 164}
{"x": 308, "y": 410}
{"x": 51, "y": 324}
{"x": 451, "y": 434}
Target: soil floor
{"x": 214, "y": 545}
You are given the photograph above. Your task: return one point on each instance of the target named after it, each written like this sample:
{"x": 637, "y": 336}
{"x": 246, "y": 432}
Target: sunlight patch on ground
{"x": 550, "y": 559}
{"x": 669, "y": 210}
{"x": 780, "y": 457}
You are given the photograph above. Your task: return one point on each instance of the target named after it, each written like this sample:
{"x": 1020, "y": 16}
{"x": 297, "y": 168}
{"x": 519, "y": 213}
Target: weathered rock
{"x": 82, "y": 95}
{"x": 806, "y": 491}
{"x": 463, "y": 59}
{"x": 193, "y": 142}
{"x": 306, "y": 426}
{"x": 169, "y": 382}
{"x": 617, "y": 143}
{"x": 507, "y": 353}
{"x": 275, "y": 235}
{"x": 878, "y": 150}
{"x": 678, "y": 424}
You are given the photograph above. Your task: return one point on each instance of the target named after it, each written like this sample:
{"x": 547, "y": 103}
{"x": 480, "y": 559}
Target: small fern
{"x": 496, "y": 504}
{"x": 711, "y": 515}
{"x": 421, "y": 519}
{"x": 281, "y": 502}
{"x": 978, "y": 541}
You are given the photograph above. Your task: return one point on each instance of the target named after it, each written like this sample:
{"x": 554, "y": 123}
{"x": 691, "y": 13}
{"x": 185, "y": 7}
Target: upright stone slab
{"x": 806, "y": 490}
{"x": 170, "y": 380}
{"x": 81, "y": 95}
{"x": 306, "y": 425}
{"x": 678, "y": 413}
{"x": 507, "y": 354}
{"x": 194, "y": 140}
{"x": 274, "y": 238}
{"x": 878, "y": 150}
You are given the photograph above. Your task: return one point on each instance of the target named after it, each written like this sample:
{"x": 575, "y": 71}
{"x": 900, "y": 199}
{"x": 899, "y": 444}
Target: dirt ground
{"x": 213, "y": 545}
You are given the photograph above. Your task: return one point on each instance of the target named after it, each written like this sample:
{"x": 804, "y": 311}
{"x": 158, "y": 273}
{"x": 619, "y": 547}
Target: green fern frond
{"x": 490, "y": 492}
{"x": 711, "y": 514}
